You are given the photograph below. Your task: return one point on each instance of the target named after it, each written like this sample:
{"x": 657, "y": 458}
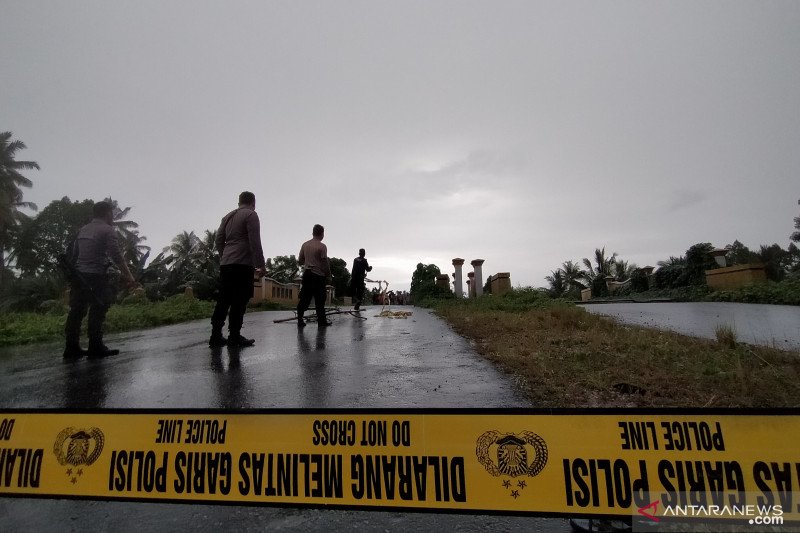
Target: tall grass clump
{"x": 726, "y": 335}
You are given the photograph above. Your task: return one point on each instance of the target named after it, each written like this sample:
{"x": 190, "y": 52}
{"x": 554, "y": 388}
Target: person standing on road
{"x": 360, "y": 269}
{"x": 238, "y": 242}
{"x": 314, "y": 256}
{"x": 90, "y": 288}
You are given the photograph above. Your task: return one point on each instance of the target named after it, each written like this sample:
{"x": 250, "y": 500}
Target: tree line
{"x": 30, "y": 245}
{"x": 686, "y": 270}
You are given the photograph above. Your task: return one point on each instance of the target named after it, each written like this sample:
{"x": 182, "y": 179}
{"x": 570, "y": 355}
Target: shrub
{"x": 639, "y": 281}
{"x": 599, "y": 287}
{"x": 28, "y": 293}
{"x": 671, "y": 276}
{"x": 786, "y": 292}
{"x": 698, "y": 260}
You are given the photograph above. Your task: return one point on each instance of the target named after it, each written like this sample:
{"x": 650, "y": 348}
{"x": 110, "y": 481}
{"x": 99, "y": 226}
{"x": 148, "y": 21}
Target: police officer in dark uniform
{"x": 90, "y": 288}
{"x": 241, "y": 258}
{"x": 359, "y": 274}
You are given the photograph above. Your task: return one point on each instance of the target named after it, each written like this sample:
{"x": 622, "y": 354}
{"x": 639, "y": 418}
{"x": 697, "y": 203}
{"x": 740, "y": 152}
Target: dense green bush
{"x": 28, "y": 293}
{"x": 786, "y": 292}
{"x": 638, "y": 281}
{"x": 679, "y": 294}
{"x": 671, "y": 276}
{"x": 423, "y": 284}
{"x": 599, "y": 287}
{"x": 698, "y": 260}
{"x": 432, "y": 295}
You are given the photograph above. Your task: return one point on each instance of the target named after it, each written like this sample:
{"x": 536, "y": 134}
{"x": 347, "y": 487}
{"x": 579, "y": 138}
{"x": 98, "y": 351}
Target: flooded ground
{"x": 776, "y": 326}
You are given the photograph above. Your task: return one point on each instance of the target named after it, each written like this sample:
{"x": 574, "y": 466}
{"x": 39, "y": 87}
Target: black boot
{"x": 97, "y": 349}
{"x": 235, "y": 339}
{"x": 73, "y": 350}
{"x": 217, "y": 339}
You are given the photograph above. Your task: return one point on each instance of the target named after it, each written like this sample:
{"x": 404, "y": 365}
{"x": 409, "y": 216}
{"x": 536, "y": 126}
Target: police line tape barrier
{"x": 650, "y": 464}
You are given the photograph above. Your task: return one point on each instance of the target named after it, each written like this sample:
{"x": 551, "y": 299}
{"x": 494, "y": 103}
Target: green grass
{"x": 563, "y": 356}
{"x": 26, "y": 328}
{"x": 133, "y": 313}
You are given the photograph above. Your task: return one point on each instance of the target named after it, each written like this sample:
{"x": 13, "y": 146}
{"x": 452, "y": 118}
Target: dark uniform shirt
{"x": 96, "y": 243}
{"x": 360, "y": 269}
{"x": 314, "y": 256}
{"x": 239, "y": 239}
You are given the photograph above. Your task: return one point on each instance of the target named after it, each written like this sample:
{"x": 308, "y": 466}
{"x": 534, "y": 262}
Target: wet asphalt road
{"x": 376, "y": 363}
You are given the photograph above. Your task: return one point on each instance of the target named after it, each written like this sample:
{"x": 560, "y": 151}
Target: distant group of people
{"x": 392, "y": 298}
{"x": 238, "y": 241}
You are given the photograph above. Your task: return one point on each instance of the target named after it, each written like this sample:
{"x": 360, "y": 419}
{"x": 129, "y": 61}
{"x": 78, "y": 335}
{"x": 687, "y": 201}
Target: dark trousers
{"x": 236, "y": 289}
{"x": 313, "y": 287}
{"x": 358, "y": 291}
{"x": 91, "y": 292}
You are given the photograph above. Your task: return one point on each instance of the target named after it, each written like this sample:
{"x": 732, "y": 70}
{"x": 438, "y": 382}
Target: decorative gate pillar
{"x": 457, "y": 280}
{"x": 478, "y": 281}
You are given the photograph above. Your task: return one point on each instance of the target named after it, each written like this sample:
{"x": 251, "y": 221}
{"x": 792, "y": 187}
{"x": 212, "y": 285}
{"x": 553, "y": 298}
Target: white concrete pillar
{"x": 457, "y": 280}
{"x": 471, "y": 285}
{"x": 476, "y": 264}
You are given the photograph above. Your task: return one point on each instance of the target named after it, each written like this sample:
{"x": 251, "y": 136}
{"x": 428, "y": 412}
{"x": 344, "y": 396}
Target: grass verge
{"x": 563, "y": 356}
{"x": 26, "y": 328}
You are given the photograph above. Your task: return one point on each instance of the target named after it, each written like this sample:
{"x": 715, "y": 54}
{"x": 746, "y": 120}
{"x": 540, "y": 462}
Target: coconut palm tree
{"x": 623, "y": 270}
{"x": 673, "y": 261}
{"x": 573, "y": 274}
{"x": 132, "y": 243}
{"x": 183, "y": 249}
{"x": 206, "y": 247}
{"x": 603, "y": 265}
{"x": 10, "y": 193}
{"x": 556, "y": 280}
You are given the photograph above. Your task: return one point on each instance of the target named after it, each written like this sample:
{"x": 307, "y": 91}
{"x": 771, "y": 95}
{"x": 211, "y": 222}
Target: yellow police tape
{"x": 652, "y": 465}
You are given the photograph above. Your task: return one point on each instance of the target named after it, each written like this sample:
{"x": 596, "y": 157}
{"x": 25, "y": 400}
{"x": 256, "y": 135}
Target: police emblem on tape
{"x": 76, "y": 448}
{"x": 517, "y": 455}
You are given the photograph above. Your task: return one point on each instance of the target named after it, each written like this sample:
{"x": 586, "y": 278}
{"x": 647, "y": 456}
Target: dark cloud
{"x": 523, "y": 132}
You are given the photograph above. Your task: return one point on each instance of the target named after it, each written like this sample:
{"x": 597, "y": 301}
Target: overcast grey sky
{"x": 523, "y": 133}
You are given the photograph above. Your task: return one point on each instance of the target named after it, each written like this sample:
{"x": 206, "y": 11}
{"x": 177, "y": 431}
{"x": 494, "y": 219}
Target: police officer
{"x": 241, "y": 257}
{"x": 314, "y": 257}
{"x": 360, "y": 269}
{"x": 90, "y": 288}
